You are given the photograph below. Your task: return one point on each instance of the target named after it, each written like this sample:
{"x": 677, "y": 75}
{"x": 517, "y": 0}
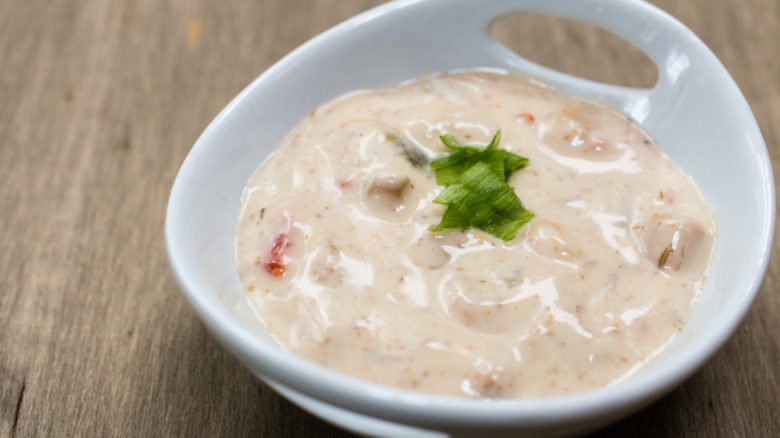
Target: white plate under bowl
{"x": 695, "y": 110}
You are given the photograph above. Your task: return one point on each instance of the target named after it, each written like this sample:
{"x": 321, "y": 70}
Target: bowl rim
{"x": 429, "y": 410}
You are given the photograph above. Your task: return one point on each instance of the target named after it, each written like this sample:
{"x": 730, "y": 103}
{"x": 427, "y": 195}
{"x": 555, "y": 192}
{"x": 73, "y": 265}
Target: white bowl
{"x": 696, "y": 112}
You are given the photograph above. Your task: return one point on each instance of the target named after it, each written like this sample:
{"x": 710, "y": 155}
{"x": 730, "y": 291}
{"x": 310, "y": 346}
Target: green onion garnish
{"x": 476, "y": 192}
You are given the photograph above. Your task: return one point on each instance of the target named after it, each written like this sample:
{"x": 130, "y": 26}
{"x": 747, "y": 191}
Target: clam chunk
{"x": 674, "y": 242}
{"x": 390, "y": 197}
{"x": 575, "y": 131}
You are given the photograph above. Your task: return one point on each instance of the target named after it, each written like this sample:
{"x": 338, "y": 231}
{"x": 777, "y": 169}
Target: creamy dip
{"x": 335, "y": 254}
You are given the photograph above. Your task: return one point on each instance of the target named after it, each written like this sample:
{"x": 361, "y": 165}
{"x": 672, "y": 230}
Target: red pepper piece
{"x": 527, "y": 117}
{"x": 274, "y": 265}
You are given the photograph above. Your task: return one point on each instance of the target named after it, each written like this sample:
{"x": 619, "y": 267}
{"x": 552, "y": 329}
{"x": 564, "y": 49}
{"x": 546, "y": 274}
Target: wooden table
{"x": 100, "y": 102}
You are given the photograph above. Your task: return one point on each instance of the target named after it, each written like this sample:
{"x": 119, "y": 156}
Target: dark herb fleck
{"x": 415, "y": 155}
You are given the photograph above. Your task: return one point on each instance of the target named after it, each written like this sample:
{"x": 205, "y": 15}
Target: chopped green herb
{"x": 476, "y": 193}
{"x": 450, "y": 167}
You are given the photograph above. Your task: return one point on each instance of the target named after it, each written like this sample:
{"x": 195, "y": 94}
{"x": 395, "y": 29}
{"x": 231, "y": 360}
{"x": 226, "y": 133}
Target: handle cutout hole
{"x": 576, "y": 48}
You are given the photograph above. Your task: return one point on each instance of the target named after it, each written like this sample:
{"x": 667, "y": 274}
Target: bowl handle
{"x": 668, "y": 43}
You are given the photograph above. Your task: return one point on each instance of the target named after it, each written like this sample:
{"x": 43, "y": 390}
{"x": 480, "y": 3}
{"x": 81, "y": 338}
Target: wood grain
{"x": 100, "y": 103}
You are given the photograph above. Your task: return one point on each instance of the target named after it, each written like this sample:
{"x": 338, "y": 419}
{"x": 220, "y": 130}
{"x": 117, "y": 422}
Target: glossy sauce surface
{"x": 334, "y": 251}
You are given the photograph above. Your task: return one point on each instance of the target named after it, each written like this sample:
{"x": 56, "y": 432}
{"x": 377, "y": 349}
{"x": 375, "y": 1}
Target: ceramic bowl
{"x": 695, "y": 110}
